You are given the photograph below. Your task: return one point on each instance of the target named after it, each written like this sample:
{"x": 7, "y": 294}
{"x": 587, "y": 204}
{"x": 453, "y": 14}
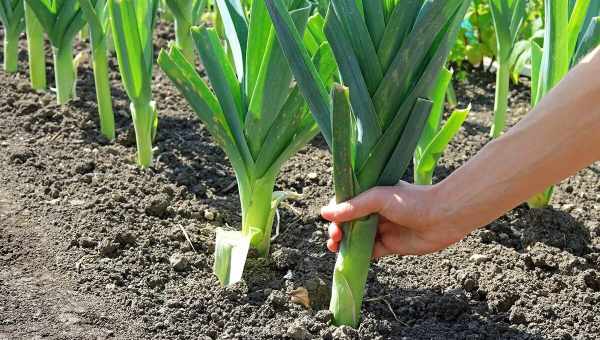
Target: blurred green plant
{"x": 13, "y": 19}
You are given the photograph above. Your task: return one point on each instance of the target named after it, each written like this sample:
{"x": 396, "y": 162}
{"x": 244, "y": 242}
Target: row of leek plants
{"x": 61, "y": 21}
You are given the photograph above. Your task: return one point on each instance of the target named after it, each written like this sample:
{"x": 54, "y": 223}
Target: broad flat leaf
{"x": 440, "y": 141}
{"x": 224, "y": 83}
{"x": 236, "y": 30}
{"x": 302, "y": 67}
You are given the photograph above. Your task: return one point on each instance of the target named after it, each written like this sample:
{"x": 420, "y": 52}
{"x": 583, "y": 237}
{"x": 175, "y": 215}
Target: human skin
{"x": 559, "y": 137}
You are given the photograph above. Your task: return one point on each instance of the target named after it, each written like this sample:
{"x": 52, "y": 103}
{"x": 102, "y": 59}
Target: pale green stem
{"x": 103, "y": 95}
{"x": 351, "y": 271}
{"x": 143, "y": 120}
{"x": 423, "y": 177}
{"x": 501, "y": 101}
{"x": 35, "y": 47}
{"x": 11, "y": 52}
{"x": 64, "y": 73}
{"x": 184, "y": 40}
{"x": 541, "y": 200}
{"x": 257, "y": 220}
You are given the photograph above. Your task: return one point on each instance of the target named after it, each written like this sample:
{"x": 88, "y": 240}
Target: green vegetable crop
{"x": 389, "y": 55}
{"x": 132, "y": 24}
{"x": 62, "y": 20}
{"x": 508, "y": 17}
{"x": 565, "y": 42}
{"x": 35, "y": 47}
{"x": 96, "y": 14}
{"x": 434, "y": 137}
{"x": 255, "y": 112}
{"x": 12, "y": 17}
{"x": 186, "y": 14}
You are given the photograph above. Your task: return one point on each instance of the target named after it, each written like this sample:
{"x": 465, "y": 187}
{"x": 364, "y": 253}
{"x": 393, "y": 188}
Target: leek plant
{"x": 507, "y": 16}
{"x": 12, "y": 17}
{"x": 389, "y": 54}
{"x": 255, "y": 112}
{"x": 565, "y": 42}
{"x": 186, "y": 14}
{"x": 62, "y": 20}
{"x": 35, "y": 48}
{"x": 132, "y": 24}
{"x": 435, "y": 137}
{"x": 96, "y": 14}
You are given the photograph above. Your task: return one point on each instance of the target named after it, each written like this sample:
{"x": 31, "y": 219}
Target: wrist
{"x": 446, "y": 210}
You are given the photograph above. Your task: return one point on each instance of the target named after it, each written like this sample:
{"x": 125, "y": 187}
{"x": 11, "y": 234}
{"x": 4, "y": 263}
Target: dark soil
{"x": 93, "y": 247}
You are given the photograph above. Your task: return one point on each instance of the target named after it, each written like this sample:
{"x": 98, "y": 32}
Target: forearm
{"x": 558, "y": 138}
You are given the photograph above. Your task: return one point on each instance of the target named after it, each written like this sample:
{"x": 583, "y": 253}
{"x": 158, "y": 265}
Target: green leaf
{"x": 400, "y": 159}
{"x": 589, "y": 41}
{"x": 375, "y": 19}
{"x": 272, "y": 88}
{"x": 536, "y": 69}
{"x": 432, "y": 24}
{"x": 369, "y": 128}
{"x": 440, "y": 141}
{"x": 341, "y": 120}
{"x": 258, "y": 40}
{"x": 435, "y": 117}
{"x": 351, "y": 27}
{"x": 236, "y": 30}
{"x": 556, "y": 59}
{"x": 302, "y": 67}
{"x": 400, "y": 24}
{"x": 203, "y": 101}
{"x": 576, "y": 22}
{"x": 224, "y": 83}
{"x": 280, "y": 133}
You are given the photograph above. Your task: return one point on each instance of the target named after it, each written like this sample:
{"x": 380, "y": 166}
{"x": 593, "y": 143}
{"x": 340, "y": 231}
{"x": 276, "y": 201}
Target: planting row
{"x": 371, "y": 76}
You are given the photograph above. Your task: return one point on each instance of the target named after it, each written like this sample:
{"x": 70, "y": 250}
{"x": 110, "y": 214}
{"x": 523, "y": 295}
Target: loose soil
{"x": 93, "y": 247}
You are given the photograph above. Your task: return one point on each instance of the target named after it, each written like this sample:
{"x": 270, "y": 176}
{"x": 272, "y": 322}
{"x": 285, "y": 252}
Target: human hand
{"x": 410, "y": 220}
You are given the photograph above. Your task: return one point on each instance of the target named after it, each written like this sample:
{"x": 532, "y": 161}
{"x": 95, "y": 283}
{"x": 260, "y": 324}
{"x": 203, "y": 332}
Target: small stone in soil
{"x": 345, "y": 333}
{"x": 284, "y": 258}
{"x": 591, "y": 279}
{"x": 158, "y": 206}
{"x": 298, "y": 332}
{"x": 179, "y": 262}
{"x": 517, "y": 316}
{"x": 209, "y": 215}
{"x": 87, "y": 242}
{"x": 277, "y": 299}
{"x": 479, "y": 258}
{"x": 324, "y": 316}
{"x": 107, "y": 248}
{"x": 85, "y": 167}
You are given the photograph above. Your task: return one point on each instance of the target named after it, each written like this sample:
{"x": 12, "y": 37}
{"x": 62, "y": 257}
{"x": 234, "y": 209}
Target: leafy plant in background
{"x": 255, "y": 112}
{"x": 388, "y": 60}
{"x": 96, "y": 14}
{"x": 435, "y": 137}
{"x": 62, "y": 20}
{"x": 35, "y": 48}
{"x": 476, "y": 39}
{"x": 12, "y": 17}
{"x": 565, "y": 42}
{"x": 507, "y": 17}
{"x": 186, "y": 14}
{"x": 132, "y": 24}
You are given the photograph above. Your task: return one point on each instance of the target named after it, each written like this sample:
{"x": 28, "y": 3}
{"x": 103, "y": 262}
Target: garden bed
{"x": 92, "y": 246}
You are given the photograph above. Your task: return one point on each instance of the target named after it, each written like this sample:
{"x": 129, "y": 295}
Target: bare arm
{"x": 555, "y": 140}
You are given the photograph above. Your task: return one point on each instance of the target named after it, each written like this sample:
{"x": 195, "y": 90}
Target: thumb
{"x": 367, "y": 203}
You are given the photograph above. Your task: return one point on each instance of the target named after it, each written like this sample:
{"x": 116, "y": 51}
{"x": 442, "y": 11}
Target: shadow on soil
{"x": 414, "y": 313}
